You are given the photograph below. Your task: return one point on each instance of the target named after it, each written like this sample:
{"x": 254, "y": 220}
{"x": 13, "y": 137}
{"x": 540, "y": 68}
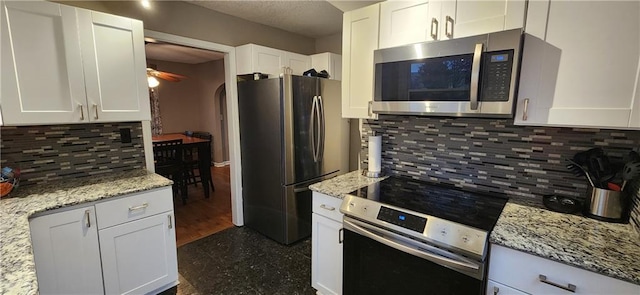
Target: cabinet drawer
{"x": 134, "y": 207}
{"x": 327, "y": 206}
{"x": 523, "y": 271}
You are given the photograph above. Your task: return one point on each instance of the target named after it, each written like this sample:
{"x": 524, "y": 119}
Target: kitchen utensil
{"x": 579, "y": 170}
{"x": 606, "y": 205}
{"x": 561, "y": 204}
{"x": 632, "y": 156}
{"x": 600, "y": 167}
{"x": 614, "y": 187}
{"x": 630, "y": 171}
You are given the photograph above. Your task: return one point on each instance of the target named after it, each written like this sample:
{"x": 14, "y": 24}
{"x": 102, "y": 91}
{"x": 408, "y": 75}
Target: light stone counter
{"x": 344, "y": 184}
{"x": 606, "y": 248}
{"x": 17, "y": 268}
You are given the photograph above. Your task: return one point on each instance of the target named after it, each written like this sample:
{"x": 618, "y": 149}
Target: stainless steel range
{"x": 403, "y": 235}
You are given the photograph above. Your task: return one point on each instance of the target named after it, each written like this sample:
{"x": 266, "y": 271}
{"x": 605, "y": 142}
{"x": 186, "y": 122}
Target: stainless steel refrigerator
{"x": 292, "y": 135}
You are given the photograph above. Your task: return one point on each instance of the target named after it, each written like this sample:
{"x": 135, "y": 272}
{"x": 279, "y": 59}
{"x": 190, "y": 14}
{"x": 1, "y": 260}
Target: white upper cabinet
{"x": 404, "y": 22}
{"x": 115, "y": 67}
{"x": 251, "y": 58}
{"x": 468, "y": 18}
{"x": 298, "y": 63}
{"x": 42, "y": 75}
{"x": 330, "y": 62}
{"x": 359, "y": 40}
{"x": 67, "y": 65}
{"x": 581, "y": 69}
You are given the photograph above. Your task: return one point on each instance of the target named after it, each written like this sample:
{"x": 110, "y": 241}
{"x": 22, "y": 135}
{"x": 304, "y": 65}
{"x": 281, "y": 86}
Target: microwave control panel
{"x": 498, "y": 66}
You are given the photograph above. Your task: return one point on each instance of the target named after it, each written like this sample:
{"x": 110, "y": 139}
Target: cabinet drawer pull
{"x": 95, "y": 106}
{"x": 145, "y": 205}
{"x": 88, "y": 217}
{"x": 570, "y": 287}
{"x": 525, "y": 111}
{"x": 496, "y": 290}
{"x": 170, "y": 221}
{"x": 341, "y": 236}
{"x": 370, "y": 108}
{"x": 323, "y": 206}
{"x": 81, "y": 112}
{"x": 434, "y": 25}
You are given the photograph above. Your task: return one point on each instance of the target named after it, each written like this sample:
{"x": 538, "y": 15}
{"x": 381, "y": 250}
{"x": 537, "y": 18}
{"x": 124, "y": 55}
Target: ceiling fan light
{"x": 153, "y": 82}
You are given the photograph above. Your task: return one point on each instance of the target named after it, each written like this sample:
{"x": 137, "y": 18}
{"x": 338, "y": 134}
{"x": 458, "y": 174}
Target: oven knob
{"x": 352, "y": 204}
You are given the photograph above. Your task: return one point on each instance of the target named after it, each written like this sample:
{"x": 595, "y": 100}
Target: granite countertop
{"x": 610, "y": 249}
{"x": 606, "y": 248}
{"x": 17, "y": 268}
{"x": 343, "y": 184}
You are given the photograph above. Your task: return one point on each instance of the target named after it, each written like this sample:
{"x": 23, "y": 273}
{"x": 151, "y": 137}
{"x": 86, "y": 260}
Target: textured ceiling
{"x": 312, "y": 18}
{"x": 181, "y": 54}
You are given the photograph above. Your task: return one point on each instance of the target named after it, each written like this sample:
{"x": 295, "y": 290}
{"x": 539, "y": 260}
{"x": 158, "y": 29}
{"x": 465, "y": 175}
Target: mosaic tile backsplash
{"x": 54, "y": 152}
{"x": 492, "y": 155}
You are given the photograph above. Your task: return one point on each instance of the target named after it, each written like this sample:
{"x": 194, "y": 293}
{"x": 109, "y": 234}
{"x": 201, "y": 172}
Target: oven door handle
{"x": 409, "y": 247}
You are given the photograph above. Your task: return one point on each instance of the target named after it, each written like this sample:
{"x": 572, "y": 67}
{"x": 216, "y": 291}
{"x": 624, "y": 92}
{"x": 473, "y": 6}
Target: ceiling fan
{"x": 153, "y": 73}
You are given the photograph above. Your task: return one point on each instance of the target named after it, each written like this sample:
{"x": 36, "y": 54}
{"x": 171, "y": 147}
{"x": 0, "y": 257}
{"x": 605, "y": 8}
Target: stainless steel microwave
{"x": 473, "y": 76}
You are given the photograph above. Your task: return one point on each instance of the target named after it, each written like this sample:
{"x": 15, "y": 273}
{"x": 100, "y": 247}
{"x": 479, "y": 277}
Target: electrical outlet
{"x": 125, "y": 135}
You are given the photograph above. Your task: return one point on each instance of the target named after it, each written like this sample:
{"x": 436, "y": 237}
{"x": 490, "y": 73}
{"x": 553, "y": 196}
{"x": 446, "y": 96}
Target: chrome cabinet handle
{"x": 434, "y": 24}
{"x": 95, "y": 106}
{"x": 570, "y": 287}
{"x": 341, "y": 236}
{"x": 525, "y": 111}
{"x": 170, "y": 222}
{"x": 370, "y": 106}
{"x": 145, "y": 205}
{"x": 323, "y": 206}
{"x": 475, "y": 76}
{"x": 81, "y": 111}
{"x": 496, "y": 290}
{"x": 446, "y": 27}
{"x": 88, "y": 217}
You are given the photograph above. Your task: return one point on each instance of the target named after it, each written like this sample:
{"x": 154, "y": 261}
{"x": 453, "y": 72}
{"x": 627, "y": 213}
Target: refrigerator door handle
{"x": 312, "y": 128}
{"x": 322, "y": 130}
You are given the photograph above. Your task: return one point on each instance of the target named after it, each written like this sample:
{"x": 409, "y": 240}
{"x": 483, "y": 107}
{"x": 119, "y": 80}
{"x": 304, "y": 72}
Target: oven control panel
{"x": 403, "y": 219}
{"x": 421, "y": 226}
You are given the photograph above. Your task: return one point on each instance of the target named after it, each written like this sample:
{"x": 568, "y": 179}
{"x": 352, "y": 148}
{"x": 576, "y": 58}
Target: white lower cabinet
{"x": 66, "y": 252}
{"x": 326, "y": 245}
{"x": 122, "y": 246}
{"x": 535, "y": 275}
{"x": 494, "y": 288}
{"x": 139, "y": 257}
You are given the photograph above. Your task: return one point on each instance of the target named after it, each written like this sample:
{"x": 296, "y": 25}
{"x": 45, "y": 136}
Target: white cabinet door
{"x": 42, "y": 77}
{"x": 481, "y": 17}
{"x": 114, "y": 65}
{"x": 298, "y": 63}
{"x": 66, "y": 252}
{"x": 585, "y": 71}
{"x": 326, "y": 255}
{"x": 494, "y": 288}
{"x": 359, "y": 40}
{"x": 404, "y": 22}
{"x": 330, "y": 62}
{"x": 251, "y": 58}
{"x": 139, "y": 257}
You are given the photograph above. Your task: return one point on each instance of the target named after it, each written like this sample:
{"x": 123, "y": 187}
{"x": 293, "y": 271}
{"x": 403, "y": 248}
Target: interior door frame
{"x": 233, "y": 123}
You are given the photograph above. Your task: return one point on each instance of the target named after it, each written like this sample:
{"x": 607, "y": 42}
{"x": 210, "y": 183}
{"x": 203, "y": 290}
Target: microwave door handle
{"x": 475, "y": 76}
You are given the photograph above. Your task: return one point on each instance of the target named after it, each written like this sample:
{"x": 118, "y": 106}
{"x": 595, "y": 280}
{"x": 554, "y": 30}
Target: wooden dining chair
{"x": 195, "y": 158}
{"x": 168, "y": 157}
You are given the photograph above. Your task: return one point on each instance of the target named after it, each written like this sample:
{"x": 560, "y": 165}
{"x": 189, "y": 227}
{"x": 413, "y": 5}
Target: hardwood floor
{"x": 202, "y": 217}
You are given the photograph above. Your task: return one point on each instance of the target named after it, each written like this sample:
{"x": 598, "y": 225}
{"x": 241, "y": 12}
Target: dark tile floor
{"x": 241, "y": 261}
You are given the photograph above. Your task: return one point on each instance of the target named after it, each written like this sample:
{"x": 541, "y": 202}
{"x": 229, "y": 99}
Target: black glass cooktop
{"x": 447, "y": 202}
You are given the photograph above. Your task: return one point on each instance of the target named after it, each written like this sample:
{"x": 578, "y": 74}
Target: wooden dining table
{"x": 204, "y": 154}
